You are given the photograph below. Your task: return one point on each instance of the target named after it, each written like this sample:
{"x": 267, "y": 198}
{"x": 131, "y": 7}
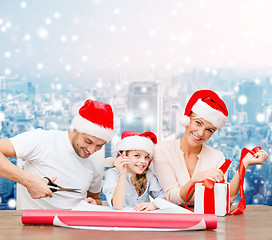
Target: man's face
{"x": 85, "y": 144}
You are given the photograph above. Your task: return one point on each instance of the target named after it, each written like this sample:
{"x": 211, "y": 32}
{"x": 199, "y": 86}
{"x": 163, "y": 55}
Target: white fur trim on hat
{"x": 215, "y": 117}
{"x": 136, "y": 143}
{"x": 85, "y": 126}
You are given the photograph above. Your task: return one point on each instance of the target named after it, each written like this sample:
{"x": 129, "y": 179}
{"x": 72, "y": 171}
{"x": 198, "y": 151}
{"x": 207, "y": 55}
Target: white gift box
{"x": 221, "y": 199}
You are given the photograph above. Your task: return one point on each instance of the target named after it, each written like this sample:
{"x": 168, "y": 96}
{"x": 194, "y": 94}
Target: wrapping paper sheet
{"x": 167, "y": 219}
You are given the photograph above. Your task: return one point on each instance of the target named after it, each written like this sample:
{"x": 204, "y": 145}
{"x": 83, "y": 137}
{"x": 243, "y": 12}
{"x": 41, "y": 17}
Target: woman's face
{"x": 199, "y": 131}
{"x": 138, "y": 161}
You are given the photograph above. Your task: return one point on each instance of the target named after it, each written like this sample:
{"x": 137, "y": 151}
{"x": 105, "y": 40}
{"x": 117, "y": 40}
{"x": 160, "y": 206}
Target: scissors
{"x": 54, "y": 187}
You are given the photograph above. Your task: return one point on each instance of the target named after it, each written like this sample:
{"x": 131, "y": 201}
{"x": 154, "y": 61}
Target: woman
{"x": 181, "y": 163}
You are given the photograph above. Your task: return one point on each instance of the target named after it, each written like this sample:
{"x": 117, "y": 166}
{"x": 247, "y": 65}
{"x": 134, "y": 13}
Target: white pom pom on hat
{"x": 96, "y": 119}
{"x": 131, "y": 140}
{"x": 208, "y": 105}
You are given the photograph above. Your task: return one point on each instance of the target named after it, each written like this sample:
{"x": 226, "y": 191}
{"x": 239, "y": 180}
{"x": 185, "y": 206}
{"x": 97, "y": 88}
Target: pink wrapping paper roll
{"x": 119, "y": 219}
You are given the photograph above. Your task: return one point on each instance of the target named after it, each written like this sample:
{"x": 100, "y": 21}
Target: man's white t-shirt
{"x": 50, "y": 153}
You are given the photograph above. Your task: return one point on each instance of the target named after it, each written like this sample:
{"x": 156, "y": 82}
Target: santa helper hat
{"x": 207, "y": 105}
{"x": 96, "y": 119}
{"x": 131, "y": 140}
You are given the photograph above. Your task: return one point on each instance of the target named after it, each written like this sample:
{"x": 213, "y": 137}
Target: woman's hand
{"x": 121, "y": 164}
{"x": 258, "y": 158}
{"x": 145, "y": 206}
{"x": 213, "y": 174}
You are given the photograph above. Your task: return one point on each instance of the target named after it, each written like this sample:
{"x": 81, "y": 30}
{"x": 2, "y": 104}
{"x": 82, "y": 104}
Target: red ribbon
{"x": 241, "y": 170}
{"x": 209, "y": 202}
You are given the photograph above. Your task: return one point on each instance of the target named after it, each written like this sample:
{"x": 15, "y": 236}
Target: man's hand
{"x": 38, "y": 188}
{"x": 90, "y": 201}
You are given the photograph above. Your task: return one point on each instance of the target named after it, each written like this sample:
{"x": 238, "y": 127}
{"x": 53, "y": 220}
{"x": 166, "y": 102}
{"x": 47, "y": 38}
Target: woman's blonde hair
{"x": 193, "y": 116}
{"x": 140, "y": 184}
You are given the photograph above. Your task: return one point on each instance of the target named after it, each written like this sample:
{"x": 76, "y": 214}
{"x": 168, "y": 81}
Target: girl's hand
{"x": 121, "y": 164}
{"x": 145, "y": 206}
{"x": 90, "y": 201}
{"x": 213, "y": 174}
{"x": 258, "y": 158}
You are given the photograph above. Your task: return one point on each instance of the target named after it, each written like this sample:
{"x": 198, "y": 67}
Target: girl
{"x": 181, "y": 163}
{"x": 130, "y": 182}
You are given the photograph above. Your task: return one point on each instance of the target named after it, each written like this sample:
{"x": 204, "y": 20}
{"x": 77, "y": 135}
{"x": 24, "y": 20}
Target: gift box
{"x": 215, "y": 200}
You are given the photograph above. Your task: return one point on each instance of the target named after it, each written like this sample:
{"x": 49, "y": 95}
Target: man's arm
{"x": 95, "y": 196}
{"x": 36, "y": 186}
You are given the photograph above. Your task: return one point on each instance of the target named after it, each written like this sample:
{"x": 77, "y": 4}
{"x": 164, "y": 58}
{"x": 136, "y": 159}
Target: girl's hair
{"x": 140, "y": 184}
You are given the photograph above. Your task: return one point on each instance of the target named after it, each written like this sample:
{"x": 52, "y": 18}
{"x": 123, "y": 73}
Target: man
{"x": 62, "y": 156}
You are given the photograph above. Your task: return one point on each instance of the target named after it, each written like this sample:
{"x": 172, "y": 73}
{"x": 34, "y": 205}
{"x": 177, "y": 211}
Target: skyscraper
{"x": 144, "y": 108}
{"x": 250, "y": 100}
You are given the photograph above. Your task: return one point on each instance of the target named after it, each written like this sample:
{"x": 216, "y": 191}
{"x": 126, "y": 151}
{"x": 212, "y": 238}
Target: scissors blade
{"x": 70, "y": 190}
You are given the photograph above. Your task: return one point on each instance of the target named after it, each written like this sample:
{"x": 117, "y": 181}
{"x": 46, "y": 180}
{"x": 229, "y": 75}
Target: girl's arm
{"x": 248, "y": 160}
{"x": 119, "y": 194}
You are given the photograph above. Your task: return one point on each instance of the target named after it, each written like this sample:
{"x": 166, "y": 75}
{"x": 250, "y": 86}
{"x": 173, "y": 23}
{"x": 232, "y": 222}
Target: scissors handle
{"x": 52, "y": 184}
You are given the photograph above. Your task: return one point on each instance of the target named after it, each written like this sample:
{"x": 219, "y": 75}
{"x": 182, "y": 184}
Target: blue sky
{"x": 82, "y": 40}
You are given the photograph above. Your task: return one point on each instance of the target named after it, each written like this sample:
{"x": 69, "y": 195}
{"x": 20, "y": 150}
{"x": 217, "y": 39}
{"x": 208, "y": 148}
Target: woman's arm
{"x": 248, "y": 160}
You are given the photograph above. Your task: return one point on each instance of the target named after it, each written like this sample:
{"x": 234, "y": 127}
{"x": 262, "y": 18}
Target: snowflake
{"x": 27, "y": 37}
{"x": 242, "y": 99}
{"x": 84, "y": 58}
{"x": 112, "y": 28}
{"x": 48, "y": 21}
{"x": 43, "y": 33}
{"x": 75, "y": 38}
{"x": 116, "y": 11}
{"x": 57, "y": 15}
{"x": 260, "y": 117}
{"x": 68, "y": 67}
{"x": 63, "y": 38}
{"x": 7, "y": 71}
{"x": 7, "y": 54}
{"x": 40, "y": 66}
{"x": 23, "y": 4}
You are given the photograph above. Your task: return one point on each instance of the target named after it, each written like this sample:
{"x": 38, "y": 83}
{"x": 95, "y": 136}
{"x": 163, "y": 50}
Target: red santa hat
{"x": 96, "y": 119}
{"x": 131, "y": 140}
{"x": 207, "y": 105}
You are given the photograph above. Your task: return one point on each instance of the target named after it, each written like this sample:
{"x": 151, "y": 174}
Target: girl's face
{"x": 138, "y": 161}
{"x": 199, "y": 131}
